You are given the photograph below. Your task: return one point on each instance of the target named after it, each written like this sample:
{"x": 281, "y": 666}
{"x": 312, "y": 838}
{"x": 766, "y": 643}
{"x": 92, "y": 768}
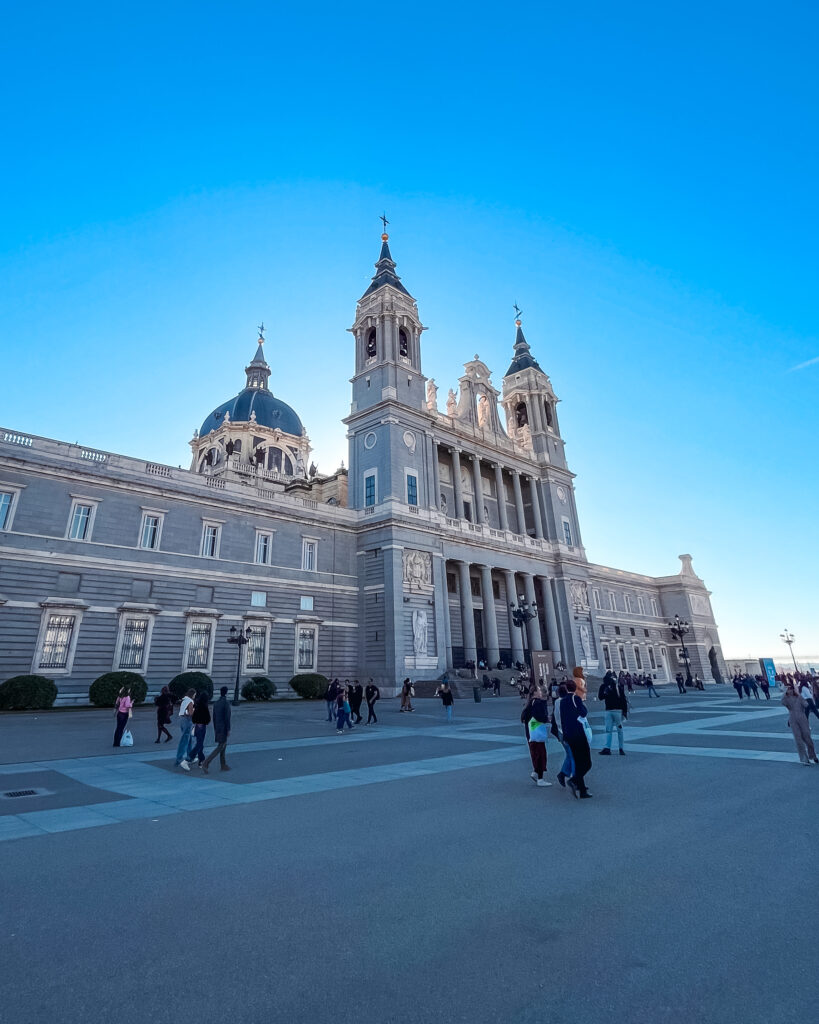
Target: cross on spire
{"x": 384, "y": 221}
{"x": 518, "y": 311}
{"x": 261, "y": 330}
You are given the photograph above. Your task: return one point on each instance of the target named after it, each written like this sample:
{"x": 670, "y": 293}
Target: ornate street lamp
{"x": 789, "y": 638}
{"x": 240, "y": 639}
{"x": 523, "y": 612}
{"x": 679, "y": 628}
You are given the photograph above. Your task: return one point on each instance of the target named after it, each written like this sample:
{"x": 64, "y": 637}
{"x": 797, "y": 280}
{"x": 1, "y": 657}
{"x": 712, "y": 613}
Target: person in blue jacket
{"x": 572, "y": 709}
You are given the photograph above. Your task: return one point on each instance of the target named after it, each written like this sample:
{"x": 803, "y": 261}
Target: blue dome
{"x": 270, "y": 412}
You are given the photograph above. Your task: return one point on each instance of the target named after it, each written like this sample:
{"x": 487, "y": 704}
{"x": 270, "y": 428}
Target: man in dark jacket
{"x": 356, "y": 697}
{"x": 614, "y": 697}
{"x": 571, "y": 710}
{"x": 372, "y": 693}
{"x": 221, "y": 731}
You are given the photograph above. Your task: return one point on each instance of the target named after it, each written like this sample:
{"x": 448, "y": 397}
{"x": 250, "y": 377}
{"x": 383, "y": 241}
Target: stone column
{"x": 467, "y": 620}
{"x": 502, "y": 515}
{"x": 536, "y": 508}
{"x": 519, "y": 502}
{"x": 478, "y": 485}
{"x": 515, "y": 639}
{"x": 552, "y": 635}
{"x": 490, "y": 625}
{"x": 456, "y": 482}
{"x": 447, "y": 622}
{"x": 533, "y": 625}
{"x": 436, "y": 478}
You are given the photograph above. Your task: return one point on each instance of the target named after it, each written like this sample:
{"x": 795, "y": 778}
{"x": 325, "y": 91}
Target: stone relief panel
{"x": 700, "y": 605}
{"x": 579, "y": 594}
{"x": 417, "y": 569}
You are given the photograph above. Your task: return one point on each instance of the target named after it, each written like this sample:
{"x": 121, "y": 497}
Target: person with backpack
{"x": 537, "y": 731}
{"x": 614, "y": 697}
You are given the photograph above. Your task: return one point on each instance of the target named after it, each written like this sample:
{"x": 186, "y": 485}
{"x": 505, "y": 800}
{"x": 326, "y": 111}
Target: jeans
{"x": 614, "y": 720}
{"x": 185, "y": 725}
{"x": 331, "y": 710}
{"x": 122, "y": 721}
{"x": 653, "y": 692}
{"x": 371, "y": 712}
{"x": 448, "y": 710}
{"x": 220, "y": 750}
{"x": 342, "y": 720}
{"x": 567, "y": 768}
{"x": 198, "y": 752}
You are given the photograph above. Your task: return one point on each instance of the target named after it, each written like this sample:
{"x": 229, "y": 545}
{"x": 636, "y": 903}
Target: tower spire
{"x": 523, "y": 356}
{"x": 257, "y": 370}
{"x": 385, "y": 267}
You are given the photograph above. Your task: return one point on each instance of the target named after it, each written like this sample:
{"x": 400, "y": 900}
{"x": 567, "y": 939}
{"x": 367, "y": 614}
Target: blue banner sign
{"x": 768, "y": 670}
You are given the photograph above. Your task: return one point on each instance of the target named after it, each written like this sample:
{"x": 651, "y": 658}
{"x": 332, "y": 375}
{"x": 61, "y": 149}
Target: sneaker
{"x": 204, "y": 768}
{"x": 561, "y": 778}
{"x": 606, "y": 752}
{"x": 533, "y": 776}
{"x": 585, "y": 796}
{"x": 622, "y": 753}
{"x": 184, "y": 766}
{"x": 543, "y": 782}
{"x": 573, "y": 788}
{"x": 225, "y": 767}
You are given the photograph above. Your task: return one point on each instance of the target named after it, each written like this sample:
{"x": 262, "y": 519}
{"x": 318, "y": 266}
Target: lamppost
{"x": 679, "y": 628}
{"x": 240, "y": 639}
{"x": 523, "y": 612}
{"x": 789, "y": 638}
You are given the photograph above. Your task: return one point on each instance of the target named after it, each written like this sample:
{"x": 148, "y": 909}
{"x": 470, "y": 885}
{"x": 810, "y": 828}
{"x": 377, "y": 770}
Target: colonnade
{"x": 531, "y": 586}
{"x": 479, "y": 516}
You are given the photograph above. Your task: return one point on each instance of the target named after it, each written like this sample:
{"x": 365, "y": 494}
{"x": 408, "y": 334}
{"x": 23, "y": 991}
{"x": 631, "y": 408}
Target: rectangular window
{"x": 308, "y": 555}
{"x": 306, "y": 652}
{"x": 468, "y": 511}
{"x": 210, "y": 540}
{"x": 149, "y": 536}
{"x": 612, "y": 601}
{"x": 638, "y": 661}
{"x": 606, "y": 657}
{"x": 306, "y": 604}
{"x": 631, "y": 630}
{"x": 81, "y": 522}
{"x": 496, "y": 590}
{"x": 617, "y": 630}
{"x": 134, "y": 637}
{"x": 629, "y": 607}
{"x": 598, "y": 604}
{"x": 199, "y": 646}
{"x": 641, "y": 605}
{"x": 412, "y": 489}
{"x": 6, "y": 499}
{"x": 622, "y": 652}
{"x": 654, "y": 609}
{"x": 451, "y": 583}
{"x": 264, "y": 548}
{"x": 567, "y": 533}
{"x": 256, "y": 647}
{"x": 651, "y": 659}
{"x": 645, "y": 632}
{"x": 475, "y": 586}
{"x": 57, "y": 642}
{"x": 258, "y": 598}
{"x": 369, "y": 491}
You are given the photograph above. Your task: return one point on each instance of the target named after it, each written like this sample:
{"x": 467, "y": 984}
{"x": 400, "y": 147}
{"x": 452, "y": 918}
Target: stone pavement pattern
{"x": 409, "y": 871}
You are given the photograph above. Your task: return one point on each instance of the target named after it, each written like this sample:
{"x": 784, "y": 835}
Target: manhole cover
{"x": 11, "y": 794}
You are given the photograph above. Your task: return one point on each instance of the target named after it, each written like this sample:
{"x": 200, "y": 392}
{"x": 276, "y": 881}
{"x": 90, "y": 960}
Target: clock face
{"x": 561, "y": 494}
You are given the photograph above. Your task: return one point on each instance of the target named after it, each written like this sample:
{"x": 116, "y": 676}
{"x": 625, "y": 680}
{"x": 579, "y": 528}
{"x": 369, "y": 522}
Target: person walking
{"x": 616, "y": 709}
{"x": 330, "y": 697}
{"x": 572, "y": 712}
{"x": 652, "y": 690}
{"x": 356, "y": 697}
{"x": 221, "y": 731}
{"x": 185, "y": 726}
{"x": 123, "y": 704}
{"x": 447, "y": 700}
{"x": 567, "y": 768}
{"x": 798, "y": 721}
{"x": 680, "y": 682}
{"x": 406, "y": 695}
{"x": 764, "y": 685}
{"x": 343, "y": 711}
{"x": 737, "y": 684}
{"x": 372, "y": 693}
{"x": 164, "y": 713}
{"x": 200, "y": 717}
{"x": 537, "y": 730}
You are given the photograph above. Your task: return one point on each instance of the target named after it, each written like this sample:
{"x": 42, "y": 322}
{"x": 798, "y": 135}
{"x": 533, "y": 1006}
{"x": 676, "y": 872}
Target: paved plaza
{"x": 410, "y": 871}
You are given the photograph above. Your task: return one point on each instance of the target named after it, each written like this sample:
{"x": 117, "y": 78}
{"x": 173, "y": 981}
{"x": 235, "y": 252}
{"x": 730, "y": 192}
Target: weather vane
{"x": 261, "y": 330}
{"x": 518, "y": 311}
{"x": 384, "y": 221}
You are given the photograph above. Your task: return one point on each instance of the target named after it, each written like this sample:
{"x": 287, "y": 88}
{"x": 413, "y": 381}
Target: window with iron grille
{"x": 306, "y": 649}
{"x": 134, "y": 638}
{"x": 57, "y": 643}
{"x": 199, "y": 646}
{"x": 255, "y": 650}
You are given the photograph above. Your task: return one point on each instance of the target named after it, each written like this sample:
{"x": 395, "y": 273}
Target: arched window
{"x": 521, "y": 414}
{"x": 371, "y": 347}
{"x": 547, "y": 408}
{"x": 274, "y": 459}
{"x": 288, "y": 466}
{"x": 403, "y": 343}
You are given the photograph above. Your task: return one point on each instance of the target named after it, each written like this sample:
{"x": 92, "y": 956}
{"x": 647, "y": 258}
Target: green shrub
{"x": 310, "y": 685}
{"x": 185, "y": 681}
{"x": 104, "y": 691}
{"x": 259, "y": 688}
{"x": 27, "y": 693}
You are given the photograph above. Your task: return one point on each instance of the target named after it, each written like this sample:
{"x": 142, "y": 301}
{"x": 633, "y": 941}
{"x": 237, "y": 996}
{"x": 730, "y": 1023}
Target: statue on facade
{"x": 483, "y": 411}
{"x": 451, "y": 403}
{"x": 585, "y": 641}
{"x": 432, "y": 395}
{"x": 419, "y": 632}
{"x": 300, "y": 467}
{"x": 417, "y": 569}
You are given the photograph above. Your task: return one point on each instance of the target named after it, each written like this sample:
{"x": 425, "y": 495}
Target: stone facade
{"x": 406, "y": 566}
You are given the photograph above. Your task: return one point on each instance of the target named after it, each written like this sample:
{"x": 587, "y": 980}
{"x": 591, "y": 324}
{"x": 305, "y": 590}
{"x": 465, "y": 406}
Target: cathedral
{"x": 453, "y": 539}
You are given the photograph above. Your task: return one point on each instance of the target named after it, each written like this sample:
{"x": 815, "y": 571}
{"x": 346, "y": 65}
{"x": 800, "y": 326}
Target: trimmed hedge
{"x": 27, "y": 693}
{"x": 259, "y": 688}
{"x": 310, "y": 685}
{"x": 104, "y": 690}
{"x": 185, "y": 681}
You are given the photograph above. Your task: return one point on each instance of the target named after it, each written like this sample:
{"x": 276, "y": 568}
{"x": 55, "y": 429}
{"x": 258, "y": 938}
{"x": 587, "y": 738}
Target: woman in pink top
{"x": 123, "y": 706}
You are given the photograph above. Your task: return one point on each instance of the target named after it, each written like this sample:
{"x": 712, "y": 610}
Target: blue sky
{"x": 641, "y": 178}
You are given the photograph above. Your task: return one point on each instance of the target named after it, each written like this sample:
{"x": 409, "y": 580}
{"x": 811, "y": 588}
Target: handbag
{"x": 538, "y": 731}
{"x": 587, "y": 729}
{"x": 127, "y": 739}
{"x": 412, "y": 691}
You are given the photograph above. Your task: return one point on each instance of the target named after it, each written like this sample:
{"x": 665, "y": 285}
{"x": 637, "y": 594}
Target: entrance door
{"x": 477, "y": 615}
